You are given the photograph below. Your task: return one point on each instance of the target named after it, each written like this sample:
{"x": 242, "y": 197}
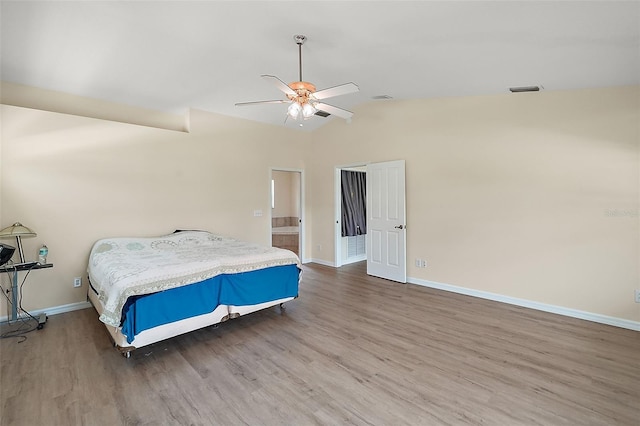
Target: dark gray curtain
{"x": 354, "y": 203}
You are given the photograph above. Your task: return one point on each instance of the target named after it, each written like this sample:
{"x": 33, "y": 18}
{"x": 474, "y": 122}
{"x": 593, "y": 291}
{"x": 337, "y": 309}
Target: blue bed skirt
{"x": 247, "y": 288}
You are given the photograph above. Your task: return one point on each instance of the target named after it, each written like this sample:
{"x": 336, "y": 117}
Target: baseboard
{"x": 574, "y": 313}
{"x": 323, "y": 262}
{"x": 53, "y": 310}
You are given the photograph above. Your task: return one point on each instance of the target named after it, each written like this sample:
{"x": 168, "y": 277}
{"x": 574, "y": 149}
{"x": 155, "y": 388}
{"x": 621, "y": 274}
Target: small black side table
{"x": 11, "y": 269}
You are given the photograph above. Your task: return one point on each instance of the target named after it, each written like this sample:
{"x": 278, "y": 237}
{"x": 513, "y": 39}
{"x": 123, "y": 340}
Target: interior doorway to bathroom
{"x": 287, "y": 210}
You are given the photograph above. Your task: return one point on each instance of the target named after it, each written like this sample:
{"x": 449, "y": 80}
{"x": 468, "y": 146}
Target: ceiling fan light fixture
{"x": 294, "y": 110}
{"x": 308, "y": 110}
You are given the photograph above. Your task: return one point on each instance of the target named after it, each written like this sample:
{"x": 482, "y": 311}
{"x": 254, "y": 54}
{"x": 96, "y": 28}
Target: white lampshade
{"x": 308, "y": 110}
{"x": 294, "y": 110}
{"x": 18, "y": 231}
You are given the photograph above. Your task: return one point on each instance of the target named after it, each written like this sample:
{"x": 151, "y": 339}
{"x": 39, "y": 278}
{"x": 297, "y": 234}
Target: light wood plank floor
{"x": 351, "y": 350}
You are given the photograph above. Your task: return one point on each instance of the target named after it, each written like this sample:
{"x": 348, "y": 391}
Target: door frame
{"x": 301, "y": 219}
{"x": 337, "y": 230}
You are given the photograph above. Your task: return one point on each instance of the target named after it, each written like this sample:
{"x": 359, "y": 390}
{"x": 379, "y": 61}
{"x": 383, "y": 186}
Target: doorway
{"x": 287, "y": 210}
{"x": 350, "y": 247}
{"x": 385, "y": 237}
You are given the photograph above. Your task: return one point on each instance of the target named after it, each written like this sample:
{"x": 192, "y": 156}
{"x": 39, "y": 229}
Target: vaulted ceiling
{"x": 175, "y": 55}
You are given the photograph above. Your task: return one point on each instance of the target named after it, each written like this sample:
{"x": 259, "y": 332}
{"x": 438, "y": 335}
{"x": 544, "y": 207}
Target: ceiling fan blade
{"x": 279, "y": 84}
{"x": 330, "y": 92}
{"x": 277, "y": 101}
{"x": 339, "y": 112}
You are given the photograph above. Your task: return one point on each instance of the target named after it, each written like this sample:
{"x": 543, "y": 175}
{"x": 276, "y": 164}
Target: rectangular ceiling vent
{"x": 378, "y": 97}
{"x": 322, "y": 113}
{"x": 524, "y": 89}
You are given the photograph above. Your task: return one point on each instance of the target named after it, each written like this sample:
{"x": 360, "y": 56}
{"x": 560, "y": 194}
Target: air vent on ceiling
{"x": 378, "y": 97}
{"x": 322, "y": 113}
{"x": 524, "y": 89}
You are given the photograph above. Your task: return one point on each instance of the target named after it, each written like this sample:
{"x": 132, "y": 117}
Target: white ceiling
{"x": 171, "y": 56}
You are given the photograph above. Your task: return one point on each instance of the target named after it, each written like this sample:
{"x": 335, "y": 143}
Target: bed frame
{"x": 166, "y": 331}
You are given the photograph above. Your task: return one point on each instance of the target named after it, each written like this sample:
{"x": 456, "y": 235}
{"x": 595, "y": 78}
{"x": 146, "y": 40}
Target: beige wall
{"x": 287, "y": 190}
{"x": 75, "y": 179}
{"x": 531, "y": 196}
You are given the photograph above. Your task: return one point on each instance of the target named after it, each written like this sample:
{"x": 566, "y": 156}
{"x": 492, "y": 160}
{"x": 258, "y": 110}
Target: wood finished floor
{"x": 352, "y": 349}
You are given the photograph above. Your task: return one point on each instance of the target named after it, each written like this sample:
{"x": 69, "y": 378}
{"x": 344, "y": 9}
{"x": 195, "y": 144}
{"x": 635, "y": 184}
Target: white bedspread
{"x": 123, "y": 267}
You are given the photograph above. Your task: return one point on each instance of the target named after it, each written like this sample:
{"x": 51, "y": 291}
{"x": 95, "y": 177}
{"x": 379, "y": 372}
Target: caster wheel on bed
{"x": 126, "y": 354}
{"x": 282, "y": 306}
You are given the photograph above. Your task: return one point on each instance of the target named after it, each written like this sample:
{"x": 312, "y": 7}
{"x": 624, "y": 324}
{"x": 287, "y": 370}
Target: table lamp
{"x": 17, "y": 230}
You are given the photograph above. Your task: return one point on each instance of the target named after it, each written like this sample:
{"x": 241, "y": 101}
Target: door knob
{"x": 400, "y": 227}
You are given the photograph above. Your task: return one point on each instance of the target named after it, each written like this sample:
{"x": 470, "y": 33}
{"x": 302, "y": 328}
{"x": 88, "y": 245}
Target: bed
{"x": 148, "y": 289}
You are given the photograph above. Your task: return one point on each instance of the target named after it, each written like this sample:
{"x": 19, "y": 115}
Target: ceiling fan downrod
{"x": 300, "y": 39}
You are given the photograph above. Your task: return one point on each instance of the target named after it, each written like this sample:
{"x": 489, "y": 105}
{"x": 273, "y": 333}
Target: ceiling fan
{"x": 303, "y": 98}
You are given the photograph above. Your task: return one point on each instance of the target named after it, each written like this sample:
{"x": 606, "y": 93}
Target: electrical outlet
{"x": 423, "y": 263}
{"x": 319, "y": 247}
{"x": 77, "y": 282}
{"x": 637, "y": 295}
{"x": 418, "y": 263}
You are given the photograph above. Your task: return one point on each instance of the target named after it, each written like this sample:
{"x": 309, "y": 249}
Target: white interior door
{"x": 386, "y": 217}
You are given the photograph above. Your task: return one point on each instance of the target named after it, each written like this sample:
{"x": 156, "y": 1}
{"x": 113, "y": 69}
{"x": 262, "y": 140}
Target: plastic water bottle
{"x": 42, "y": 255}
